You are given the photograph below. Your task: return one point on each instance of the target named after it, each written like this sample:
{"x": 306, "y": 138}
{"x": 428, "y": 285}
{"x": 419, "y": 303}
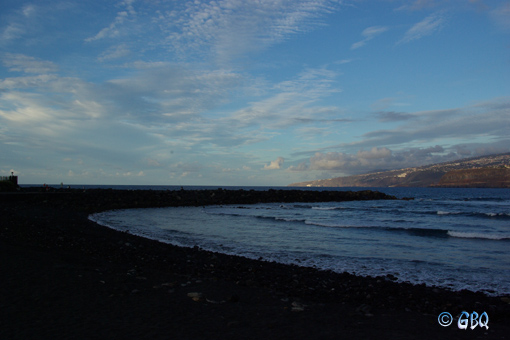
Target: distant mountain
{"x": 487, "y": 171}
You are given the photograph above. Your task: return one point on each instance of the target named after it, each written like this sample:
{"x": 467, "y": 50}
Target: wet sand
{"x": 64, "y": 276}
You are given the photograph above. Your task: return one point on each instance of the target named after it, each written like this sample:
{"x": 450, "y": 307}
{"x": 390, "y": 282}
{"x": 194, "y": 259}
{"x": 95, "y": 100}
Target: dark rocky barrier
{"x": 95, "y": 200}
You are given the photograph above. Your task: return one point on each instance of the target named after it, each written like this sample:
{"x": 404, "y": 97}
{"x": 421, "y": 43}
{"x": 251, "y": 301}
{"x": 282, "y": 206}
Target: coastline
{"x": 67, "y": 276}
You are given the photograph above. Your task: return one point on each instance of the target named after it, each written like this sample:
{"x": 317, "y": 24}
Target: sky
{"x": 252, "y": 93}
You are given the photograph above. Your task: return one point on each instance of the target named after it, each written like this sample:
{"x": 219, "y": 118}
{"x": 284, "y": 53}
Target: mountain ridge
{"x": 484, "y": 171}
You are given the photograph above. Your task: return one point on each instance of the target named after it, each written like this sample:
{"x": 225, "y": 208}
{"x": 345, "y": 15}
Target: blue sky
{"x": 248, "y": 92}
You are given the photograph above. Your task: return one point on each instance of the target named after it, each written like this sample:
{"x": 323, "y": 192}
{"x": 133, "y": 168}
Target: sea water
{"x": 453, "y": 238}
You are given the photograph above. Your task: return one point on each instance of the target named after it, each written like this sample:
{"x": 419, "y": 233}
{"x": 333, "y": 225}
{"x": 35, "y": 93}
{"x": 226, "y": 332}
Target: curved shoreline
{"x": 96, "y": 266}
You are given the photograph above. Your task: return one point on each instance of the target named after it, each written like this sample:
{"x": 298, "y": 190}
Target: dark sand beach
{"x": 64, "y": 276}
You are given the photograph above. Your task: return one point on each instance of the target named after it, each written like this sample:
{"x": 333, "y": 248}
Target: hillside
{"x": 477, "y": 178}
{"x": 486, "y": 171}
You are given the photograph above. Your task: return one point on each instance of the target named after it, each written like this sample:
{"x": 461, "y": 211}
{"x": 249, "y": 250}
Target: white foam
{"x": 327, "y": 208}
{"x": 491, "y": 214}
{"x": 461, "y": 234}
{"x": 441, "y": 212}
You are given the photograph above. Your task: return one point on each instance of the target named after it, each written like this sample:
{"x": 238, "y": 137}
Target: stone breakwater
{"x": 95, "y": 200}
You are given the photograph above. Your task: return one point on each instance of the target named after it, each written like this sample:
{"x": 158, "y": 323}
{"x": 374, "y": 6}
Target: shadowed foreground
{"x": 64, "y": 276}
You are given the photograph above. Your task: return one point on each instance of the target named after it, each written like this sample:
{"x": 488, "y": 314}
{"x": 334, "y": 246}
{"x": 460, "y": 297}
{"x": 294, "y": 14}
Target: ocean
{"x": 452, "y": 238}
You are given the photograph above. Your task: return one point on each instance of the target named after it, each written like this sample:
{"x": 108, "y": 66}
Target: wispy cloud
{"x": 292, "y": 102}
{"x": 115, "y": 52}
{"x": 12, "y": 31}
{"x": 221, "y": 31}
{"x": 501, "y": 16}
{"x": 114, "y": 29}
{"x": 232, "y": 28}
{"x": 392, "y": 116}
{"x": 18, "y": 23}
{"x": 369, "y": 33}
{"x": 466, "y": 123}
{"x": 428, "y": 26}
{"x": 171, "y": 92}
{"x": 417, "y": 5}
{"x": 26, "y": 64}
{"x": 38, "y": 23}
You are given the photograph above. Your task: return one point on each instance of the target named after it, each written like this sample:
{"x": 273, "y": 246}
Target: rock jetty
{"x": 95, "y": 200}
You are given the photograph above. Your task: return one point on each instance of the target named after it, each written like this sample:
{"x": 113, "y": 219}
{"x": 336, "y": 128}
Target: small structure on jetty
{"x": 11, "y": 178}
